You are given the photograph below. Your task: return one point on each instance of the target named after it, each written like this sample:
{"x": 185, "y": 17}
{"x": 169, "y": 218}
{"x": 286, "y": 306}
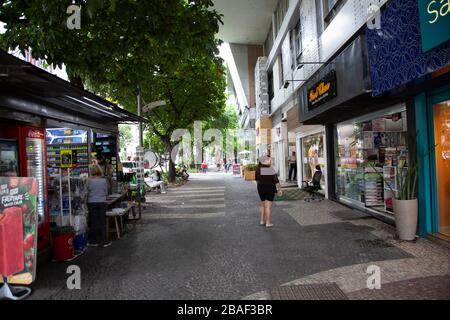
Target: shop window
{"x": 369, "y": 153}
{"x": 268, "y": 44}
{"x": 298, "y": 43}
{"x": 270, "y": 80}
{"x": 327, "y": 10}
{"x": 296, "y": 46}
{"x": 280, "y": 13}
{"x": 442, "y": 155}
{"x": 281, "y": 70}
{"x": 313, "y": 154}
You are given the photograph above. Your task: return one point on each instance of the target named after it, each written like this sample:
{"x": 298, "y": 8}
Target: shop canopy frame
{"x": 25, "y": 88}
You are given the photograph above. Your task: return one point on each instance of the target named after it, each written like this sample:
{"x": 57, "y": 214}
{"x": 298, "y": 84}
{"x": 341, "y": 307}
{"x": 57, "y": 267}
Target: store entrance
{"x": 313, "y": 155}
{"x": 442, "y": 143}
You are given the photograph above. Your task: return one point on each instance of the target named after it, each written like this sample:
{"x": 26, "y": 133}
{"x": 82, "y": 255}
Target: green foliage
{"x": 125, "y": 135}
{"x": 120, "y": 41}
{"x": 407, "y": 182}
{"x": 166, "y": 48}
{"x": 251, "y": 167}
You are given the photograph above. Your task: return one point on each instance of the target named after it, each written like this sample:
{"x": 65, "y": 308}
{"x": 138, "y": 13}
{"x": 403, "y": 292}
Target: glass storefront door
{"x": 442, "y": 143}
{"x": 369, "y": 152}
{"x": 313, "y": 154}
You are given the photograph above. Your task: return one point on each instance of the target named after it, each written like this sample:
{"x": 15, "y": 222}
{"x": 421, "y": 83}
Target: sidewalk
{"x": 426, "y": 275}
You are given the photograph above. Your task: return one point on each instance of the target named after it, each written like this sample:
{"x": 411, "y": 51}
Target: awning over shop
{"x": 25, "y": 88}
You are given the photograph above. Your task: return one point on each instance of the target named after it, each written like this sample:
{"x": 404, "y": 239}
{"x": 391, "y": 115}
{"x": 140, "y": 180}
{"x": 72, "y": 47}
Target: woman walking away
{"x": 97, "y": 191}
{"x": 268, "y": 185}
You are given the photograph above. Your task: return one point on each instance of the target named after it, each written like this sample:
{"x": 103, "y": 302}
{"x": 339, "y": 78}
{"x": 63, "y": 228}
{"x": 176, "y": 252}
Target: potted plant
{"x": 405, "y": 202}
{"x": 250, "y": 172}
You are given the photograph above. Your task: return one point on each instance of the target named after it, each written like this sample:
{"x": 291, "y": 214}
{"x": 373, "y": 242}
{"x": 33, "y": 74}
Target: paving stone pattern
{"x": 179, "y": 251}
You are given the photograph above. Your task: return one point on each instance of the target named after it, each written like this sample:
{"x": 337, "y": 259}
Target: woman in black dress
{"x": 268, "y": 186}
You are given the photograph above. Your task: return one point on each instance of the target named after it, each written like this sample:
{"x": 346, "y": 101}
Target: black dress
{"x": 267, "y": 180}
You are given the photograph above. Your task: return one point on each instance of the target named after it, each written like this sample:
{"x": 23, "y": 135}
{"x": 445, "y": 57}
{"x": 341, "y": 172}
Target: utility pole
{"x": 141, "y": 144}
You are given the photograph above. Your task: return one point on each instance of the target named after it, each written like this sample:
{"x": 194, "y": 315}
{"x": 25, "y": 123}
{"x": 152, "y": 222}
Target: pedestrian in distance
{"x": 268, "y": 185}
{"x": 204, "y": 166}
{"x": 97, "y": 191}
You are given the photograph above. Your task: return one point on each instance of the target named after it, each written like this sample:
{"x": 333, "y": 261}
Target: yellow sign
{"x": 66, "y": 158}
{"x": 319, "y": 91}
{"x": 323, "y": 91}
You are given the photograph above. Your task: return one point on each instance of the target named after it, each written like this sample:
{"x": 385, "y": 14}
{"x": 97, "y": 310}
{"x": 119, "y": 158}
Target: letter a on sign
{"x": 74, "y": 280}
{"x": 74, "y": 20}
{"x": 374, "y": 280}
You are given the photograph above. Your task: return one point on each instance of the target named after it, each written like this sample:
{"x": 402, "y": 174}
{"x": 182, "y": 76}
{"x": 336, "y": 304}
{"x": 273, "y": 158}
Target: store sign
{"x": 36, "y": 134}
{"x": 323, "y": 91}
{"x": 434, "y": 22}
{"x": 18, "y": 229}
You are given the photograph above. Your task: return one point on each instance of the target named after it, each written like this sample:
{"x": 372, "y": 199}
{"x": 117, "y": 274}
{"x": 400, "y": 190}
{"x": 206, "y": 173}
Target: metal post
{"x": 141, "y": 143}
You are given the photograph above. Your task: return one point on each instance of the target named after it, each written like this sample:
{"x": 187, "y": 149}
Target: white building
{"x": 293, "y": 39}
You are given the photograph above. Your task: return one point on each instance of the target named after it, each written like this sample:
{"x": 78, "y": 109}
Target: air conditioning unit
{"x": 284, "y": 117}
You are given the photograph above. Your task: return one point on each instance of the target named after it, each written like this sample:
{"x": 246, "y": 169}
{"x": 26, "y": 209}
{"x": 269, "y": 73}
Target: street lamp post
{"x": 146, "y": 108}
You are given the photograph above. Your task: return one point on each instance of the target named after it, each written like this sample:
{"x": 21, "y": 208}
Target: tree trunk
{"x": 169, "y": 148}
{"x": 171, "y": 170}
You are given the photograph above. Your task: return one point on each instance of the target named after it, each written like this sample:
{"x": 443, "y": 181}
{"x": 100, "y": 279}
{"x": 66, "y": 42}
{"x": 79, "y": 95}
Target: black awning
{"x": 351, "y": 83}
{"x": 52, "y": 97}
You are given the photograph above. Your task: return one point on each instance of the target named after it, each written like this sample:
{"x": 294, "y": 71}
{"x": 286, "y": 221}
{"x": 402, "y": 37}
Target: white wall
{"x": 348, "y": 21}
{"x": 240, "y": 55}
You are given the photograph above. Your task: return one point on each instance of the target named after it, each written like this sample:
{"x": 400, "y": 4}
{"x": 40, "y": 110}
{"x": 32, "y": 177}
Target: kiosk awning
{"x": 29, "y": 89}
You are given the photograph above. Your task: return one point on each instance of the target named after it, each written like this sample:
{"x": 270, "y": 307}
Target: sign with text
{"x": 18, "y": 229}
{"x": 434, "y": 22}
{"x": 236, "y": 169}
{"x": 323, "y": 91}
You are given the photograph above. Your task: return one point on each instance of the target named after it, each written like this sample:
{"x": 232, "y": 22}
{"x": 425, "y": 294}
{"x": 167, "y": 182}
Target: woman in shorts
{"x": 268, "y": 186}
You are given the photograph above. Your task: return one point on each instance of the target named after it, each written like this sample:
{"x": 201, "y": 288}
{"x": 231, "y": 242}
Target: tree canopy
{"x": 168, "y": 49}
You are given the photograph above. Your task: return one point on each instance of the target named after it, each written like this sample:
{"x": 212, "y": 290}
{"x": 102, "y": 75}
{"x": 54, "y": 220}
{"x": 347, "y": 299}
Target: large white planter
{"x": 406, "y": 213}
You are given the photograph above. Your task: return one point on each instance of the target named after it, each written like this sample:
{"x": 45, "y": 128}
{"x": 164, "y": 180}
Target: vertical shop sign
{"x": 140, "y": 166}
{"x": 18, "y": 229}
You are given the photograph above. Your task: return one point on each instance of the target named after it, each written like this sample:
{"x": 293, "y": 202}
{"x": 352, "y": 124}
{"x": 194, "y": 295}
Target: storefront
{"x": 52, "y": 130}
{"x": 367, "y": 149}
{"x": 422, "y": 74}
{"x": 70, "y": 151}
{"x": 279, "y": 147}
{"x": 311, "y": 144}
{"x": 357, "y": 139}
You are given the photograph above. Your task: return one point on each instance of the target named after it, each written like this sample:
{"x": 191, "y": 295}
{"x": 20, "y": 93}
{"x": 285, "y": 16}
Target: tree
{"x": 111, "y": 45}
{"x": 173, "y": 60}
{"x": 125, "y": 136}
{"x": 193, "y": 92}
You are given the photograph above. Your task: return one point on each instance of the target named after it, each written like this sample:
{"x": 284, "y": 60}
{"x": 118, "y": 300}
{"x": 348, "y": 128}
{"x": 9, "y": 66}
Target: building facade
{"x": 363, "y": 98}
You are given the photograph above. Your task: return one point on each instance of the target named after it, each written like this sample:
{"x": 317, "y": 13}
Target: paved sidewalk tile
{"x": 428, "y": 288}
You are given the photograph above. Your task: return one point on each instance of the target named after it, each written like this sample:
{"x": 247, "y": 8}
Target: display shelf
{"x": 373, "y": 187}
